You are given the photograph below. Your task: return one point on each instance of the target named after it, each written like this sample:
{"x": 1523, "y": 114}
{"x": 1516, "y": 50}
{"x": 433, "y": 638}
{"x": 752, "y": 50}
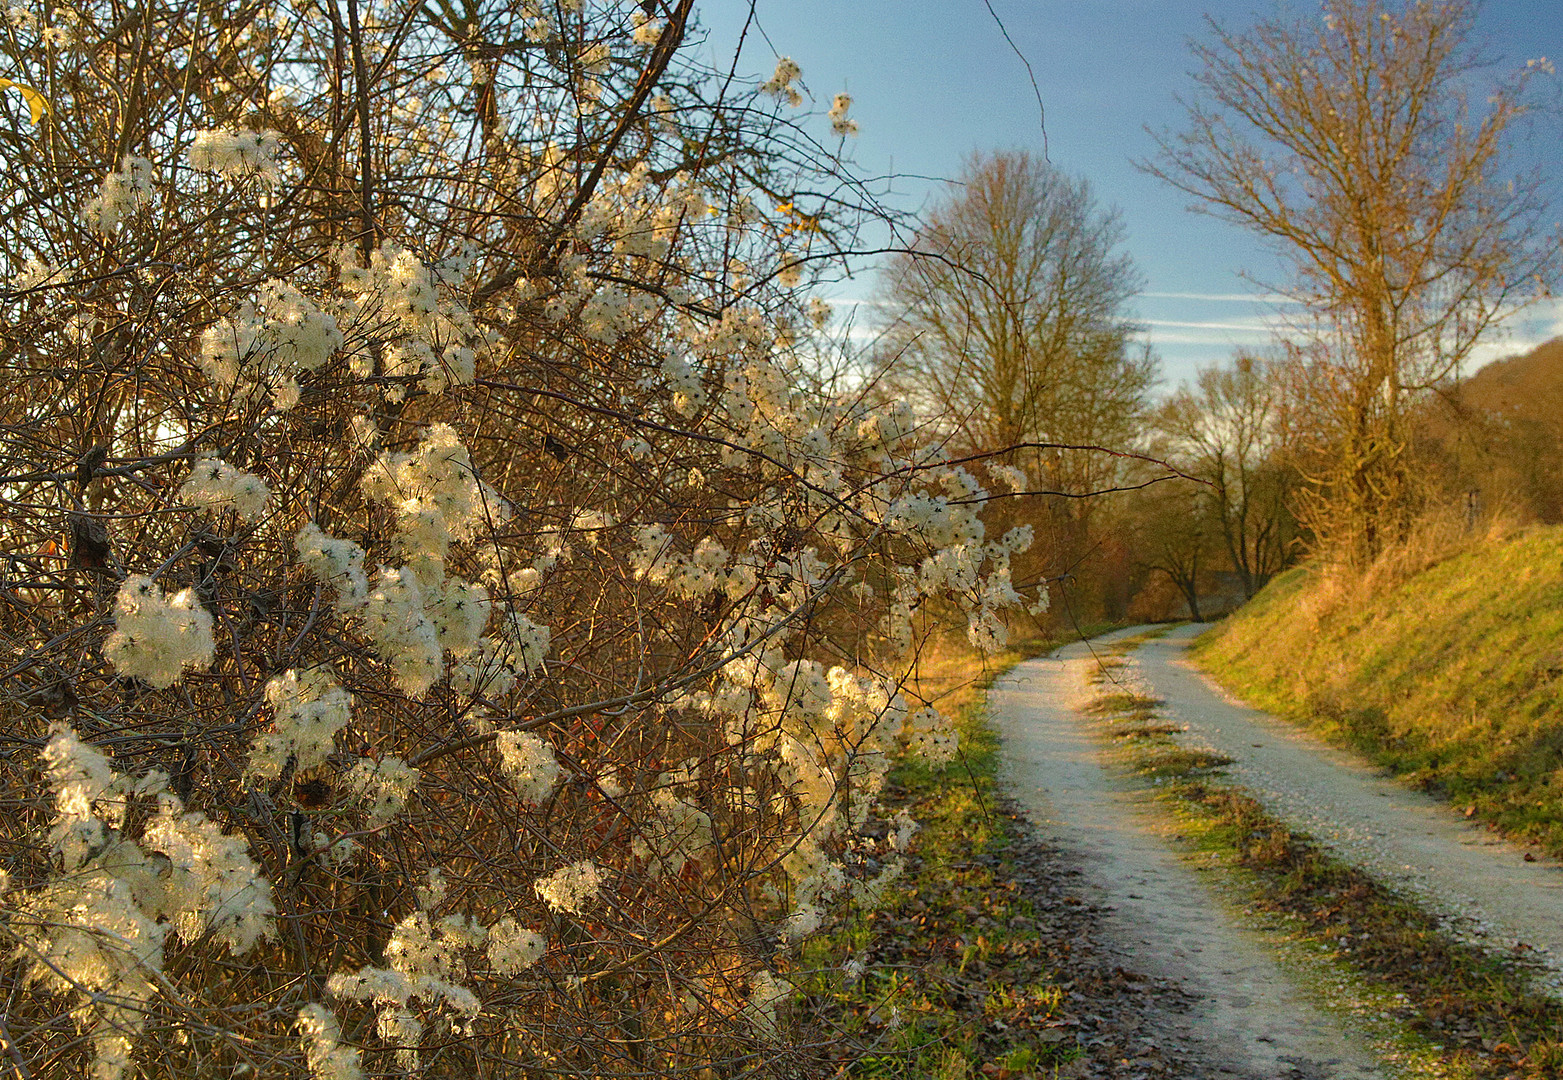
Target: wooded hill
{"x": 1500, "y": 433}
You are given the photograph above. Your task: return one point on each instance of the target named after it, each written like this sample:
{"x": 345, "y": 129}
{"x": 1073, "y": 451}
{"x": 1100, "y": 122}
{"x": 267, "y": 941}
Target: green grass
{"x": 1452, "y": 677}
{"x": 955, "y": 985}
{"x": 1122, "y": 701}
{"x": 1445, "y": 1008}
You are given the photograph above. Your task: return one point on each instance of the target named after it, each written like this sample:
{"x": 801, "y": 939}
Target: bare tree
{"x": 1174, "y": 534}
{"x": 1350, "y": 142}
{"x": 1225, "y": 431}
{"x": 1008, "y": 315}
{"x": 1009, "y": 308}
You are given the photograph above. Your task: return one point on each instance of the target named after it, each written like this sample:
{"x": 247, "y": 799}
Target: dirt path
{"x": 1404, "y": 837}
{"x": 1166, "y": 920}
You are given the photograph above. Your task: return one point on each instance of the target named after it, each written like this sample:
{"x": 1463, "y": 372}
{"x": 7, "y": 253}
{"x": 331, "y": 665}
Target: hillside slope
{"x": 1500, "y": 433}
{"x": 1453, "y": 677}
{"x": 1530, "y": 384}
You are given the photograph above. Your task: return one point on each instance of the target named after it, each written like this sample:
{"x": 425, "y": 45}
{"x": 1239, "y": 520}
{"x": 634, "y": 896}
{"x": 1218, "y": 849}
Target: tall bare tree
{"x": 1009, "y": 314}
{"x": 1010, "y": 307}
{"x": 1350, "y": 140}
{"x": 1174, "y": 533}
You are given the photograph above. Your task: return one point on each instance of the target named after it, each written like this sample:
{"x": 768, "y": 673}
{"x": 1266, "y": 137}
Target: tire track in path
{"x": 1166, "y": 920}
{"x": 1484, "y": 885}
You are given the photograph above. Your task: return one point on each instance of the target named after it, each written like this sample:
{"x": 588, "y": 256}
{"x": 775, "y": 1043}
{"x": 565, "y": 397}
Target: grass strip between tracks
{"x": 1466, "y": 1010}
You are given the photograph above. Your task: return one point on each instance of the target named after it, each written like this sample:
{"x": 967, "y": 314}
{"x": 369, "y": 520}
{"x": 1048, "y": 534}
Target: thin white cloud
{"x": 1222, "y": 298}
{"x": 1247, "y": 326}
{"x": 852, "y": 301}
{"x": 1214, "y": 340}
{"x": 1536, "y": 325}
{"x": 1265, "y": 299}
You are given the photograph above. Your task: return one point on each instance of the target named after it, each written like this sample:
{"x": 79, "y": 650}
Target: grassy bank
{"x": 1437, "y": 1006}
{"x": 955, "y": 981}
{"x": 1451, "y": 674}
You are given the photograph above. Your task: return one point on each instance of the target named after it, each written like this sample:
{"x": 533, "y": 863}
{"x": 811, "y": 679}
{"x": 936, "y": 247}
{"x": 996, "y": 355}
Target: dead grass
{"x": 1143, "y": 730}
{"x": 1122, "y": 702}
{"x": 1442, "y": 534}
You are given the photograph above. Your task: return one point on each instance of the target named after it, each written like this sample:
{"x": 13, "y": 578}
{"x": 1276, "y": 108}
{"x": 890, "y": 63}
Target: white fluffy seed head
{"x": 157, "y": 637}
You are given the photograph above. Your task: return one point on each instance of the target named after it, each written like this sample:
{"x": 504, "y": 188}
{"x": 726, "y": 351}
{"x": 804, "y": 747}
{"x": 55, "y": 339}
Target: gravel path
{"x": 1164, "y": 918}
{"x": 1458, "y": 869}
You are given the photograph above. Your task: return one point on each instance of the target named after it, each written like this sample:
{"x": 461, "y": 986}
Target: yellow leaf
{"x": 36, "y": 102}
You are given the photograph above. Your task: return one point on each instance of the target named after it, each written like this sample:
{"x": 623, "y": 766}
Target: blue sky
{"x": 933, "y": 80}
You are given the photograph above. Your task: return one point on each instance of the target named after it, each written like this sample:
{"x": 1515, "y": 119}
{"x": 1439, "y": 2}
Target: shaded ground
{"x": 994, "y": 956}
{"x": 1065, "y": 933}
{"x": 1110, "y": 1020}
